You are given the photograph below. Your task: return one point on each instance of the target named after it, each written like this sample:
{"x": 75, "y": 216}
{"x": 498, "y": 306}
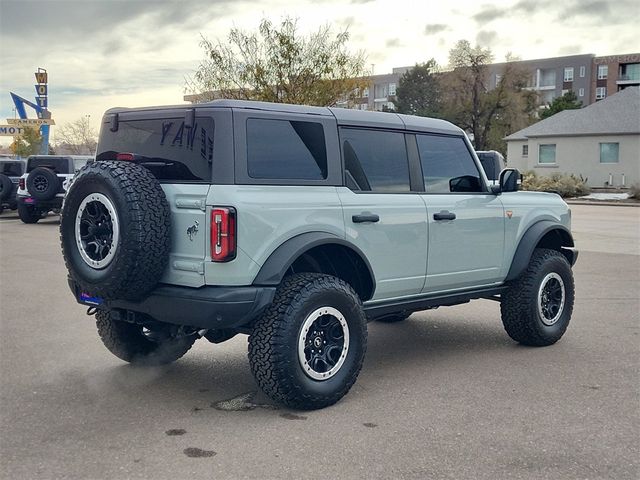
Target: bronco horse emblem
{"x": 192, "y": 230}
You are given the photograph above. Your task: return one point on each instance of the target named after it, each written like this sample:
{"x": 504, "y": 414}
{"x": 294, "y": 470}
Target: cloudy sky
{"x": 105, "y": 53}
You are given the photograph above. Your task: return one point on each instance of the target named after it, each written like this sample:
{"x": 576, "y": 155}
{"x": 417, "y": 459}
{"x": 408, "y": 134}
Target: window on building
{"x": 601, "y": 92}
{"x": 629, "y": 72}
{"x": 603, "y": 72}
{"x": 565, "y": 91}
{"x": 447, "y": 165}
{"x": 525, "y": 150}
{"x": 581, "y": 92}
{"x": 609, "y": 152}
{"x": 365, "y": 93}
{"x": 392, "y": 89}
{"x": 583, "y": 71}
{"x": 381, "y": 90}
{"x": 568, "y": 74}
{"x": 286, "y": 149}
{"x": 547, "y": 154}
{"x": 375, "y": 160}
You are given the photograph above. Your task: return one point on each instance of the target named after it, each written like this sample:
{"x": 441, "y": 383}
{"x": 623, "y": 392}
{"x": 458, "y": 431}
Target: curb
{"x": 602, "y": 203}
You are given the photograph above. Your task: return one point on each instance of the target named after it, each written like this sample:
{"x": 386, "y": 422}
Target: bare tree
{"x": 77, "y": 137}
{"x": 278, "y": 64}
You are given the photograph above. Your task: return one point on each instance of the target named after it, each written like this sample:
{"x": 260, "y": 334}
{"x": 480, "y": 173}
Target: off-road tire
{"x": 394, "y": 317}
{"x": 6, "y": 187}
{"x": 519, "y": 305}
{"x": 143, "y": 243}
{"x": 273, "y": 344}
{"x": 127, "y": 342}
{"x": 29, "y": 213}
{"x": 43, "y": 183}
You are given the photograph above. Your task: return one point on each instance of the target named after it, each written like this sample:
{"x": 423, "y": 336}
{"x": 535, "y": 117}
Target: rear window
{"x": 171, "y": 150}
{"x": 488, "y": 162}
{"x": 12, "y": 169}
{"x": 60, "y": 165}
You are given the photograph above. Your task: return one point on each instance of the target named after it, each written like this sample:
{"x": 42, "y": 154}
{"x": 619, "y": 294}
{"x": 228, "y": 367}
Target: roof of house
{"x": 617, "y": 114}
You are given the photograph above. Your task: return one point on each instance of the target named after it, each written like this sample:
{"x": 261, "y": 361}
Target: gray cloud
{"x": 393, "y": 43}
{"x": 486, "y": 38}
{"x": 570, "y": 50}
{"x": 488, "y": 14}
{"x": 434, "y": 28}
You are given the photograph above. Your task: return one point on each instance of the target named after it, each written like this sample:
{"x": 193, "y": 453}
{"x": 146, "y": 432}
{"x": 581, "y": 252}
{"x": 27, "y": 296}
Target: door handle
{"x": 444, "y": 215}
{"x": 365, "y": 218}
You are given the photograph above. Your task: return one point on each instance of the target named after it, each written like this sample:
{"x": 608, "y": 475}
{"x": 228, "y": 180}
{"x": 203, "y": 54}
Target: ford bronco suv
{"x": 296, "y": 226}
{"x": 44, "y": 184}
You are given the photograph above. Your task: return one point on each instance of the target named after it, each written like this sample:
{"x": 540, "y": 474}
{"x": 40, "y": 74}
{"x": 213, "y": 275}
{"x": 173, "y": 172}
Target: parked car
{"x": 44, "y": 184}
{"x": 492, "y": 163}
{"x": 10, "y": 172}
{"x": 296, "y": 226}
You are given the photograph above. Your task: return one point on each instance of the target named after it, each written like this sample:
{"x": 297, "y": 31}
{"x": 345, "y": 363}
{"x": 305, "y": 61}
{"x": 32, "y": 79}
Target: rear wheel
{"x": 154, "y": 344}
{"x": 537, "y": 308}
{"x": 29, "y": 213}
{"x": 307, "y": 349}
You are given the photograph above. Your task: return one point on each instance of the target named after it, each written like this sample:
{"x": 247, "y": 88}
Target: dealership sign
{"x": 30, "y": 122}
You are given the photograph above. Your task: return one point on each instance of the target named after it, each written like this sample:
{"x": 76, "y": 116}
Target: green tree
{"x": 28, "y": 143}
{"x": 568, "y": 101}
{"x": 418, "y": 91}
{"x": 278, "y": 64}
{"x": 488, "y": 114}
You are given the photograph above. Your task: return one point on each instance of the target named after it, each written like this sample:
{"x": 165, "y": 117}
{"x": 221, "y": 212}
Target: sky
{"x": 106, "y": 53}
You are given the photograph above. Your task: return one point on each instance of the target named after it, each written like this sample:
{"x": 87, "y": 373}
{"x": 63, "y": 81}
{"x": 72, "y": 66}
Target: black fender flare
{"x": 531, "y": 238}
{"x": 274, "y": 269}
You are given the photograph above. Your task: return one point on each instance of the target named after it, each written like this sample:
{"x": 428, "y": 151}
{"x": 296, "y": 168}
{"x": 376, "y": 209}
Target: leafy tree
{"x": 568, "y": 101}
{"x": 488, "y": 114}
{"x": 77, "y": 137}
{"x": 28, "y": 143}
{"x": 278, "y": 64}
{"x": 418, "y": 91}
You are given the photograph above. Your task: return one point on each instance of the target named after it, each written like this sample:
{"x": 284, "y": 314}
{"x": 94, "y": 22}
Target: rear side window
{"x": 12, "y": 169}
{"x": 172, "y": 151}
{"x": 375, "y": 160}
{"x": 60, "y": 165}
{"x": 447, "y": 165}
{"x": 286, "y": 149}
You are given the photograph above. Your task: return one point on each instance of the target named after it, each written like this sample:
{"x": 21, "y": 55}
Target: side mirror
{"x": 509, "y": 180}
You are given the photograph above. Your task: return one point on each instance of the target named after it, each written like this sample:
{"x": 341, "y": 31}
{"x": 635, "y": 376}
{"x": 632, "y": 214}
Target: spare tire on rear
{"x": 115, "y": 230}
{"x": 43, "y": 183}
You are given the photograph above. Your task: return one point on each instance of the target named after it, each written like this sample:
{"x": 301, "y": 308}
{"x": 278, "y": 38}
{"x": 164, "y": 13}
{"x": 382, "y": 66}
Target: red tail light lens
{"x": 223, "y": 234}
{"x": 21, "y": 184}
{"x": 126, "y": 157}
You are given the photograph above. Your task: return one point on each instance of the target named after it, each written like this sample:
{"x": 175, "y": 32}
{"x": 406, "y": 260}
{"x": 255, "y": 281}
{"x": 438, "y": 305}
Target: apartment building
{"x": 614, "y": 73}
{"x": 380, "y": 93}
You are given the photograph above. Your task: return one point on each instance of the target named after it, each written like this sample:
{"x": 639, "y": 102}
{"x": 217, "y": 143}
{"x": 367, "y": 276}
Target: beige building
{"x": 601, "y": 142}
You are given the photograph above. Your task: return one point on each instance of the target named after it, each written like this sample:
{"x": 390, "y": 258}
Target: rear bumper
{"x": 204, "y": 307}
{"x": 52, "y": 204}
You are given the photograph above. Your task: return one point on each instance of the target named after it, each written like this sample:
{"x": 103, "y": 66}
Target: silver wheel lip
{"x": 551, "y": 321}
{"x": 312, "y": 317}
{"x": 104, "y": 200}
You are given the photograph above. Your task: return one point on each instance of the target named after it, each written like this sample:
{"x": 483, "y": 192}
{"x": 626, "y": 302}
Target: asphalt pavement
{"x": 443, "y": 395}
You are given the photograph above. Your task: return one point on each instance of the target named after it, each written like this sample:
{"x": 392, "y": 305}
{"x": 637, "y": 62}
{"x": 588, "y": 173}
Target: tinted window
{"x": 171, "y": 150}
{"x": 488, "y": 162}
{"x": 284, "y": 149}
{"x": 375, "y": 160}
{"x": 59, "y": 165}
{"x": 12, "y": 169}
{"x": 447, "y": 165}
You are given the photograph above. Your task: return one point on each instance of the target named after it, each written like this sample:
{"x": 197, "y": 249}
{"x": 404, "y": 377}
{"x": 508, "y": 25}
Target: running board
{"x": 426, "y": 302}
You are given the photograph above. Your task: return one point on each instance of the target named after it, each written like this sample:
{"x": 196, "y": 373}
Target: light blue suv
{"x": 296, "y": 226}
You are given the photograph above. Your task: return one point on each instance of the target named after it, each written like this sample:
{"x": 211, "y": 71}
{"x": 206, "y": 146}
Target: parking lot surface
{"x": 445, "y": 394}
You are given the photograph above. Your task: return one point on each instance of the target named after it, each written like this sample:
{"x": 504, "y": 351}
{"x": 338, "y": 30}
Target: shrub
{"x": 566, "y": 185}
{"x": 634, "y": 191}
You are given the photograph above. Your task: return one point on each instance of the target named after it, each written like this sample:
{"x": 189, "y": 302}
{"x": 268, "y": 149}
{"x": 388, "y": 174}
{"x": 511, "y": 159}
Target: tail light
{"x": 126, "y": 157}
{"x": 22, "y": 184}
{"x": 223, "y": 234}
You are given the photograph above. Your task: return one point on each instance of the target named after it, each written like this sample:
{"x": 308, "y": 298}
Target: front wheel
{"x": 537, "y": 307}
{"x": 140, "y": 345}
{"x": 307, "y": 350}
